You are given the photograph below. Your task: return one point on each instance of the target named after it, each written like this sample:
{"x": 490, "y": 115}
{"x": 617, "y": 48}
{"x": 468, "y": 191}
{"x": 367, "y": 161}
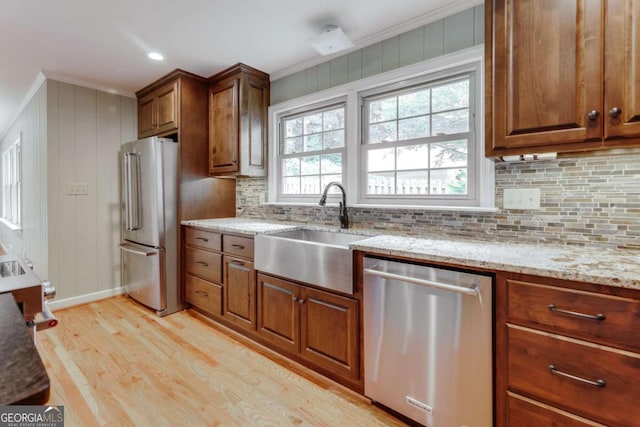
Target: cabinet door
{"x": 239, "y": 292}
{"x": 146, "y": 116}
{"x": 253, "y": 137}
{"x": 168, "y": 109}
{"x": 278, "y": 312}
{"x": 546, "y": 76}
{"x": 622, "y": 69}
{"x": 223, "y": 127}
{"x": 329, "y": 331}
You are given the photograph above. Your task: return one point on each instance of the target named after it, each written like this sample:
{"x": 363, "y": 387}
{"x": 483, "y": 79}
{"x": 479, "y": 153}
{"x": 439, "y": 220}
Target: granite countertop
{"x": 612, "y": 267}
{"x": 24, "y": 380}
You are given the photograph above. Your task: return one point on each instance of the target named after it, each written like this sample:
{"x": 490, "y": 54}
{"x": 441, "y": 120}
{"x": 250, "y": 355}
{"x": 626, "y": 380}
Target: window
{"x": 311, "y": 151}
{"x": 415, "y": 141}
{"x": 410, "y": 137}
{"x": 11, "y": 180}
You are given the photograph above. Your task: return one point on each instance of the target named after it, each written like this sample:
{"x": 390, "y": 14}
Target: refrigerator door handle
{"x": 127, "y": 248}
{"x": 132, "y": 191}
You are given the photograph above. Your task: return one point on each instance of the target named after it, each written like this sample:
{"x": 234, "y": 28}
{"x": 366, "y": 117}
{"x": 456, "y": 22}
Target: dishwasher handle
{"x": 472, "y": 291}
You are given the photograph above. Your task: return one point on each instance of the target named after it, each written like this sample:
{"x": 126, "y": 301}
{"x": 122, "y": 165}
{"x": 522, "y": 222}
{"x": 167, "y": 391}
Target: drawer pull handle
{"x": 236, "y": 262}
{"x": 203, "y": 293}
{"x": 597, "y": 383}
{"x": 202, "y": 239}
{"x": 202, "y": 263}
{"x": 598, "y": 316}
{"x": 237, "y": 246}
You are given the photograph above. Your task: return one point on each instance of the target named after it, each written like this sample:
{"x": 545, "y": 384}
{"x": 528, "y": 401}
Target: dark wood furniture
{"x": 176, "y": 107}
{"x": 548, "y": 64}
{"x": 238, "y": 103}
{"x": 567, "y": 353}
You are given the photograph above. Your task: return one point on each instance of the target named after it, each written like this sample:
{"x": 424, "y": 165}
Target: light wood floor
{"x": 114, "y": 363}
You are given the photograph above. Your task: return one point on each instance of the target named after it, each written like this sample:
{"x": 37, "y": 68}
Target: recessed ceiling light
{"x": 155, "y": 56}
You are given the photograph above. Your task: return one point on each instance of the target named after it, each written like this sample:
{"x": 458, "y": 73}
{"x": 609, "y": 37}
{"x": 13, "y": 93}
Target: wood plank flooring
{"x": 114, "y": 363}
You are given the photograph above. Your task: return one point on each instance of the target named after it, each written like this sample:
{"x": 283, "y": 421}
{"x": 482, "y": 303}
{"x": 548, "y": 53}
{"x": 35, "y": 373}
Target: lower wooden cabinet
{"x": 203, "y": 294}
{"x": 239, "y": 292}
{"x": 321, "y": 327}
{"x": 525, "y": 412}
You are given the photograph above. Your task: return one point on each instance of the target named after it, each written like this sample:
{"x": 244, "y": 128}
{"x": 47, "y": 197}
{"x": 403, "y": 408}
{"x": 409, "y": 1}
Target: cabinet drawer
{"x": 204, "y": 295}
{"x": 204, "y": 264}
{"x": 575, "y": 313}
{"x": 203, "y": 239}
{"x": 572, "y": 386}
{"x": 240, "y": 246}
{"x": 524, "y": 412}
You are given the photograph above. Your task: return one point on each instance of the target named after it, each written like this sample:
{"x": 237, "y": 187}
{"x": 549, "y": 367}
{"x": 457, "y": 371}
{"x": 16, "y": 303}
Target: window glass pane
{"x": 413, "y": 104}
{"x": 450, "y": 96}
{"x": 310, "y": 184}
{"x": 380, "y": 160}
{"x": 413, "y": 157}
{"x": 313, "y": 123}
{"x": 293, "y": 145}
{"x": 380, "y": 183}
{"x": 448, "y": 154}
{"x": 291, "y": 167}
{"x": 415, "y": 182}
{"x": 417, "y": 127}
{"x": 310, "y": 165}
{"x": 291, "y": 185}
{"x": 383, "y": 110}
{"x": 450, "y": 122}
{"x": 313, "y": 142}
{"x": 331, "y": 163}
{"x": 293, "y": 127}
{"x": 333, "y": 119}
{"x": 334, "y": 139}
{"x": 448, "y": 181}
{"x": 382, "y": 132}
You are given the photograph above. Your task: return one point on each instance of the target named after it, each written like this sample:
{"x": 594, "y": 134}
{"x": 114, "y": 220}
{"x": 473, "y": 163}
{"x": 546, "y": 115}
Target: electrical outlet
{"x": 521, "y": 198}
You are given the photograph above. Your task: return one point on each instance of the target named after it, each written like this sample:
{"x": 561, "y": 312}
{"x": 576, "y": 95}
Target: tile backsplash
{"x": 591, "y": 201}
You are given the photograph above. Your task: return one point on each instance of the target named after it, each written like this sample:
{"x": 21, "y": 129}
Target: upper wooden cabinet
{"x": 159, "y": 111}
{"x": 238, "y": 103}
{"x": 561, "y": 76}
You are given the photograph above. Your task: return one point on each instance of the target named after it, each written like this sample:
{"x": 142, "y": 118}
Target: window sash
{"x": 11, "y": 183}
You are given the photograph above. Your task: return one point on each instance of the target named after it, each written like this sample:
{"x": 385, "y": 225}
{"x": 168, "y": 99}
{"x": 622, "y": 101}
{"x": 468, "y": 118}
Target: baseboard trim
{"x": 57, "y": 304}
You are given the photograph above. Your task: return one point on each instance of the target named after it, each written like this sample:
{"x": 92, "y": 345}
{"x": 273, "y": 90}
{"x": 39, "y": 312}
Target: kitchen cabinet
{"x": 566, "y": 352}
{"x": 548, "y": 64}
{"x": 176, "y": 107}
{"x": 238, "y": 103}
{"x": 159, "y": 112}
{"x": 239, "y": 292}
{"x": 203, "y": 270}
{"x": 320, "y": 327}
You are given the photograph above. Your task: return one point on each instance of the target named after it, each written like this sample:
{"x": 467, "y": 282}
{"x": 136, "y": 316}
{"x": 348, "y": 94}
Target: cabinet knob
{"x": 294, "y": 299}
{"x": 615, "y": 112}
{"x": 593, "y": 114}
{"x": 301, "y": 301}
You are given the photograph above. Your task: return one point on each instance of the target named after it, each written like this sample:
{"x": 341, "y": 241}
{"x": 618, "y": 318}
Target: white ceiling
{"x": 103, "y": 43}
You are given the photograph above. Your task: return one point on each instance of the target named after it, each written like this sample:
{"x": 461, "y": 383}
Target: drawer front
{"x": 204, "y": 295}
{"x": 525, "y": 413}
{"x": 239, "y": 246}
{"x": 204, "y": 264}
{"x": 605, "y": 319}
{"x": 531, "y": 356}
{"x": 203, "y": 239}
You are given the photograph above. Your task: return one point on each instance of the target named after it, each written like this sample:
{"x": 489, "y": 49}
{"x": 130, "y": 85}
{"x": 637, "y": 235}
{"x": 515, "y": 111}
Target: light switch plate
{"x": 521, "y": 198}
{"x": 77, "y": 188}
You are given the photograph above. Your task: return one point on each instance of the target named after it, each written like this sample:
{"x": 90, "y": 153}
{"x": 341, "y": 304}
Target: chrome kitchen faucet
{"x": 342, "y": 213}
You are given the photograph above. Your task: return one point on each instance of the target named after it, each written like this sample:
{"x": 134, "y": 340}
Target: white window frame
{"x": 12, "y": 184}
{"x": 277, "y": 168}
{"x": 467, "y": 60}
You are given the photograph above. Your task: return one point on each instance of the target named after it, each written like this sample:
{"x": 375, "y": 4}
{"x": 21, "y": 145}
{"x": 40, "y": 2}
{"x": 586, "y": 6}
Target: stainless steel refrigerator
{"x": 149, "y": 218}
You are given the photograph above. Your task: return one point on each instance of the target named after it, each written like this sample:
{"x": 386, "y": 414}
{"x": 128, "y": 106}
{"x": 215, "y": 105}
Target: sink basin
{"x": 320, "y": 258}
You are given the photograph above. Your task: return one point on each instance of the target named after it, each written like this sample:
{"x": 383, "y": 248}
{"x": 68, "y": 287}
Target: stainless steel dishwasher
{"x": 428, "y": 343}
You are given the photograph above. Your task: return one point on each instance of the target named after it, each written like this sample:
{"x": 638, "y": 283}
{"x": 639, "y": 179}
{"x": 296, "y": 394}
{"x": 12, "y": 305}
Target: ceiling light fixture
{"x": 155, "y": 56}
{"x": 331, "y": 40}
